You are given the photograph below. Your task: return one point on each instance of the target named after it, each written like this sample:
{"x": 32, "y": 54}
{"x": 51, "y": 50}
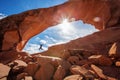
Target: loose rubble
{"x": 74, "y": 67}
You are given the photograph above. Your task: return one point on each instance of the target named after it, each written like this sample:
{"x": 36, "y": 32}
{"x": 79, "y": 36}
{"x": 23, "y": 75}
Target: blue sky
{"x": 10, "y": 7}
{"x": 58, "y": 34}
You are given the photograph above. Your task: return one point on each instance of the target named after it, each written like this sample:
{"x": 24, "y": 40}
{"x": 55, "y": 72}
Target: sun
{"x": 65, "y": 21}
{"x": 65, "y": 27}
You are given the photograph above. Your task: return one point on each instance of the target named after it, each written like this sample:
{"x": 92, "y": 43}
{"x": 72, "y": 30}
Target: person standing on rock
{"x": 40, "y": 48}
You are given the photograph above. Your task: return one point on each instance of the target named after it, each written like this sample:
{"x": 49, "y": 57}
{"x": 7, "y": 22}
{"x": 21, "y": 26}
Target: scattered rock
{"x": 82, "y": 71}
{"x": 99, "y": 72}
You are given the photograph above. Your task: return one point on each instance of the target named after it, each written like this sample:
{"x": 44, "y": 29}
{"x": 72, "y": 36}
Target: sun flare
{"x": 65, "y": 21}
{"x": 66, "y": 27}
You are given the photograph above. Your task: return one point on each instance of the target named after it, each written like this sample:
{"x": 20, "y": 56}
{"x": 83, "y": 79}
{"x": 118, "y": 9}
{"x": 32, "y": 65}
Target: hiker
{"x": 41, "y": 47}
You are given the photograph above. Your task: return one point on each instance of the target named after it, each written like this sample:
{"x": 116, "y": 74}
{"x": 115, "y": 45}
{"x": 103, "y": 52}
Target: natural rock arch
{"x": 17, "y": 29}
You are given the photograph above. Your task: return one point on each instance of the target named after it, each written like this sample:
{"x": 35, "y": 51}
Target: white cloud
{"x": 51, "y": 39}
{"x": 43, "y": 42}
{"x": 2, "y": 15}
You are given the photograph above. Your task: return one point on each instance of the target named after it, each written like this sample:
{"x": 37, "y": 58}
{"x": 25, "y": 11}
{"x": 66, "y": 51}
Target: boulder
{"x": 100, "y": 60}
{"x": 45, "y": 72}
{"x": 47, "y": 59}
{"x": 32, "y": 68}
{"x": 115, "y": 50}
{"x": 60, "y": 73}
{"x": 99, "y": 72}
{"x": 4, "y": 70}
{"x": 55, "y": 61}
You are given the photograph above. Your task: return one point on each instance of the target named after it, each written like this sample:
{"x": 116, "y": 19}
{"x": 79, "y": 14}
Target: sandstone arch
{"x": 17, "y": 29}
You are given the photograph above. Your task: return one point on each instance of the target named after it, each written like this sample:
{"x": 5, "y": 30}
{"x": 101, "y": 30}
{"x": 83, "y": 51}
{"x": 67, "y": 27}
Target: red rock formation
{"x": 96, "y": 42}
{"x": 101, "y": 13}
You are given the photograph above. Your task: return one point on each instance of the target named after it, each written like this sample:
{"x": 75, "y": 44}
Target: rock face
{"x": 94, "y": 57}
{"x": 101, "y": 13}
